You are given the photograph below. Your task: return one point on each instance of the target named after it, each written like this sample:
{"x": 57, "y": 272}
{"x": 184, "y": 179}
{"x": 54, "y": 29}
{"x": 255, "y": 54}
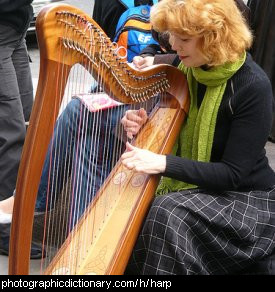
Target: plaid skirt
{"x": 197, "y": 232}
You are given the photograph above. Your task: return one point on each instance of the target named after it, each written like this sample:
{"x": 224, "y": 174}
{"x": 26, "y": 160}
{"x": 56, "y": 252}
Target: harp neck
{"x": 81, "y": 40}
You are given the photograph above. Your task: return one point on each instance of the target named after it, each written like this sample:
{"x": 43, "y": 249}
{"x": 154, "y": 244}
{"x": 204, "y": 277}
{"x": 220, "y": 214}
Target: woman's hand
{"x": 133, "y": 120}
{"x": 143, "y": 161}
{"x": 143, "y": 62}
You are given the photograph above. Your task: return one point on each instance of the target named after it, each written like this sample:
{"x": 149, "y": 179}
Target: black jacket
{"x": 238, "y": 158}
{"x": 16, "y": 13}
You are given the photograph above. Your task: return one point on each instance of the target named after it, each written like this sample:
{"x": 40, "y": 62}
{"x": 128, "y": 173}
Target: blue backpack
{"x": 133, "y": 31}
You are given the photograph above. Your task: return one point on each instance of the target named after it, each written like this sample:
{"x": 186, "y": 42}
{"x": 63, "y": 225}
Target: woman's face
{"x": 187, "y": 48}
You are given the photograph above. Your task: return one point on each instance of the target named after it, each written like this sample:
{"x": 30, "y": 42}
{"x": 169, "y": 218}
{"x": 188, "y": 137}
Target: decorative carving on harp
{"x": 101, "y": 240}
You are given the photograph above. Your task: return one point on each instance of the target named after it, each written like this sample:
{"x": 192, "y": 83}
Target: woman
{"x": 231, "y": 170}
{"x": 216, "y": 212}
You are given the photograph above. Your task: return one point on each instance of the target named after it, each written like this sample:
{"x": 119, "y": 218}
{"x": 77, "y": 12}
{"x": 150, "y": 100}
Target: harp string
{"x": 91, "y": 172}
{"x": 78, "y": 197}
{"x": 67, "y": 179}
{"x": 68, "y": 165}
{"x": 56, "y": 149}
{"x": 85, "y": 140}
{"x": 81, "y": 194}
{"x": 57, "y": 153}
{"x": 46, "y": 229}
{"x": 89, "y": 185}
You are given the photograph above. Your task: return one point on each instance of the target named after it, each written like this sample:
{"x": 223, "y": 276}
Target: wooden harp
{"x": 108, "y": 248}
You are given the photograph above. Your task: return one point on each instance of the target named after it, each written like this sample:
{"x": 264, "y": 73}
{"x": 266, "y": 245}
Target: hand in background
{"x": 133, "y": 120}
{"x": 143, "y": 62}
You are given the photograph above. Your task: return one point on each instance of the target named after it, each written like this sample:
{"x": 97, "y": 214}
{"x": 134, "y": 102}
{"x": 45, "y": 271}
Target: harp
{"x": 67, "y": 36}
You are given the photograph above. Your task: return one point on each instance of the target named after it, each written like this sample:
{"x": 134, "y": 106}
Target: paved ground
{"x": 270, "y": 149}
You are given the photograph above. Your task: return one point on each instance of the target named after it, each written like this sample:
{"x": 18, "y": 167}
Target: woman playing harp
{"x": 229, "y": 195}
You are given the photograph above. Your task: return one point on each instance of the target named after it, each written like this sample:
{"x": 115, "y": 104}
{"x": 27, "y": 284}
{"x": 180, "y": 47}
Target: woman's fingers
{"x": 142, "y": 160}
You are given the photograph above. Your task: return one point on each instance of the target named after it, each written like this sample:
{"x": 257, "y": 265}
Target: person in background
{"x": 107, "y": 13}
{"x": 16, "y": 100}
{"x": 16, "y": 90}
{"x": 215, "y": 207}
{"x": 262, "y": 51}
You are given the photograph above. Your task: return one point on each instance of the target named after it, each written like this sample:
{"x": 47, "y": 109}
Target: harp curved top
{"x": 87, "y": 44}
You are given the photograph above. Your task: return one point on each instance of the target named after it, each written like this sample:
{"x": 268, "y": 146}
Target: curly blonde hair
{"x": 224, "y": 31}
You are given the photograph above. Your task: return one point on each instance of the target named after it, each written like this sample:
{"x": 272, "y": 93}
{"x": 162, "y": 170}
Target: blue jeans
{"x": 81, "y": 152}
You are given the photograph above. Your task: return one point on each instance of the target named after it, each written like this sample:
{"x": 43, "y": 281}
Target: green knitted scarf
{"x": 196, "y": 136}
